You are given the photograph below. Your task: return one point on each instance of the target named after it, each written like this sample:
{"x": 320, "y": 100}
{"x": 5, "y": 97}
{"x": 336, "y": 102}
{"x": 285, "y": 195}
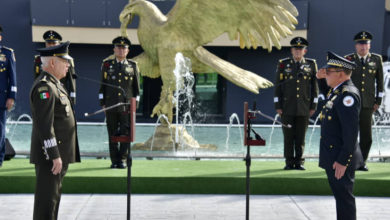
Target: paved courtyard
{"x": 183, "y": 207}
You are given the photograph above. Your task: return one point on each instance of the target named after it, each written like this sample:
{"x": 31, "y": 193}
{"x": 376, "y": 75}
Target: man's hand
{"x": 312, "y": 111}
{"x": 279, "y": 111}
{"x": 9, "y": 104}
{"x": 57, "y": 166}
{"x": 321, "y": 74}
{"x": 339, "y": 170}
{"x": 376, "y": 106}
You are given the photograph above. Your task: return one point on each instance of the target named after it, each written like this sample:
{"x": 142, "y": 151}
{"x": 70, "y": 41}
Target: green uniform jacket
{"x": 124, "y": 75}
{"x": 296, "y": 87}
{"x": 69, "y": 81}
{"x": 54, "y": 132}
{"x": 365, "y": 76}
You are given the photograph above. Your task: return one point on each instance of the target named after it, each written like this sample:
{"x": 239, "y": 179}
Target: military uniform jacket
{"x": 69, "y": 81}
{"x": 296, "y": 87}
{"x": 125, "y": 75}
{"x": 7, "y": 76}
{"x": 339, "y": 127}
{"x": 365, "y": 76}
{"x": 54, "y": 132}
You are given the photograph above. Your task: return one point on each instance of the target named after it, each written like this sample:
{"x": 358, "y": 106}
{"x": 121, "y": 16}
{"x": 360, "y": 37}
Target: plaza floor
{"x": 185, "y": 206}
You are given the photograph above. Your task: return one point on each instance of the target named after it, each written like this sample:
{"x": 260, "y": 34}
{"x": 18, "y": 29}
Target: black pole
{"x": 129, "y": 163}
{"x": 248, "y": 165}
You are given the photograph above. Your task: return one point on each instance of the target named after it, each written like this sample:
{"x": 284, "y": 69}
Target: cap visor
{"x": 66, "y": 57}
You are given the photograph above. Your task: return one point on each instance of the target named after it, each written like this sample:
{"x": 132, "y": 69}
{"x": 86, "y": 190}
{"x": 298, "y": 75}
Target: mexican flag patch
{"x": 44, "y": 95}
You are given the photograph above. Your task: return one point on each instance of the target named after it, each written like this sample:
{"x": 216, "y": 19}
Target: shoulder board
{"x": 351, "y": 54}
{"x": 7, "y": 48}
{"x": 350, "y": 89}
{"x": 131, "y": 61}
{"x": 310, "y": 59}
{"x": 109, "y": 58}
{"x": 285, "y": 59}
{"x": 44, "y": 79}
{"x": 37, "y": 58}
{"x": 375, "y": 54}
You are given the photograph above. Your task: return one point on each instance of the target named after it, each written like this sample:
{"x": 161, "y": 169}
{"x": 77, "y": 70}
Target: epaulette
{"x": 281, "y": 60}
{"x": 375, "y": 54}
{"x": 132, "y": 61}
{"x": 43, "y": 79}
{"x": 349, "y": 55}
{"x": 109, "y": 58}
{"x": 350, "y": 89}
{"x": 310, "y": 59}
{"x": 7, "y": 48}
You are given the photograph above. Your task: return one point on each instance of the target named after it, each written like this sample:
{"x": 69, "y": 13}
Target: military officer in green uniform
{"x": 296, "y": 100}
{"x": 368, "y": 78}
{"x": 120, "y": 82}
{"x": 54, "y": 138}
{"x": 53, "y": 38}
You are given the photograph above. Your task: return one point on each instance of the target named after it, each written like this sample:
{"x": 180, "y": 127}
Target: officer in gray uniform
{"x": 296, "y": 100}
{"x": 120, "y": 82}
{"x": 339, "y": 151}
{"x": 54, "y": 137}
{"x": 368, "y": 78}
{"x": 7, "y": 90}
{"x": 53, "y": 38}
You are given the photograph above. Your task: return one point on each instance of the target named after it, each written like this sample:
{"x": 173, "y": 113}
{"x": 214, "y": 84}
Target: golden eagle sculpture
{"x": 190, "y": 24}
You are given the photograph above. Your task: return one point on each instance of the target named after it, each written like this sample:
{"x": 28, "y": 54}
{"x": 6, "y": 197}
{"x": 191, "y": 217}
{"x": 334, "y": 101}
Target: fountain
{"x": 231, "y": 120}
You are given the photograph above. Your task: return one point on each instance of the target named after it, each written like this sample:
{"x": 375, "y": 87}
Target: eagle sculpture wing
{"x": 256, "y": 22}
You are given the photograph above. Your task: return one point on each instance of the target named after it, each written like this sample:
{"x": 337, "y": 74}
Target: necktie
{"x": 362, "y": 60}
{"x": 120, "y": 65}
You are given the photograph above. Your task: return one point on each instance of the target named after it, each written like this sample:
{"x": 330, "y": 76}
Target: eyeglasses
{"x": 328, "y": 72}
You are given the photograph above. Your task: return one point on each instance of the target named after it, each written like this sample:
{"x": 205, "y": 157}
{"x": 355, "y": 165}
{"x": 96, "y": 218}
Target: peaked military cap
{"x": 299, "y": 42}
{"x": 336, "y": 61}
{"x": 363, "y": 37}
{"x": 51, "y": 36}
{"x": 60, "y": 50}
{"x": 121, "y": 41}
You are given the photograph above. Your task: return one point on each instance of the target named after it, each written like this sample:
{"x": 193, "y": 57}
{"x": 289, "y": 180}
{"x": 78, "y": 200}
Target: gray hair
{"x": 45, "y": 62}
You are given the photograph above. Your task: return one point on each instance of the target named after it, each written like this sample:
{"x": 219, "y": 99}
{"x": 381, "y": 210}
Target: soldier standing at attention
{"x": 53, "y": 38}
{"x": 339, "y": 151}
{"x": 296, "y": 100}
{"x": 7, "y": 90}
{"x": 368, "y": 73}
{"x": 54, "y": 138}
{"x": 118, "y": 72}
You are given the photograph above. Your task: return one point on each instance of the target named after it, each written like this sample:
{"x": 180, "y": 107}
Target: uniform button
{"x": 297, "y": 81}
{"x": 119, "y": 94}
{"x": 298, "y": 88}
{"x": 298, "y": 96}
{"x": 347, "y": 165}
{"x": 331, "y": 146}
{"x": 350, "y": 155}
{"x": 120, "y": 74}
{"x": 364, "y": 75}
{"x": 119, "y": 80}
{"x": 323, "y": 106}
{"x": 43, "y": 148}
{"x": 59, "y": 142}
{"x": 349, "y": 160}
{"x": 363, "y": 82}
{"x": 329, "y": 117}
{"x": 364, "y": 67}
{"x": 362, "y": 89}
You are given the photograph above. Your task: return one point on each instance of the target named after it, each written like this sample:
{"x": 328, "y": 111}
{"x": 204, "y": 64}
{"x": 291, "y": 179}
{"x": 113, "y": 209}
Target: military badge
{"x": 113, "y": 77}
{"x": 3, "y": 58}
{"x": 43, "y": 88}
{"x": 348, "y": 101}
{"x": 307, "y": 68}
{"x": 372, "y": 64}
{"x": 288, "y": 70}
{"x": 105, "y": 75}
{"x": 126, "y": 77}
{"x": 329, "y": 104}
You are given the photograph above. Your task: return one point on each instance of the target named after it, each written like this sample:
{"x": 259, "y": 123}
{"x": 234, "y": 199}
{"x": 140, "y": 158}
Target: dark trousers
{"x": 117, "y": 124}
{"x": 365, "y": 121}
{"x": 47, "y": 191}
{"x": 3, "y": 115}
{"x": 342, "y": 190}
{"x": 294, "y": 138}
